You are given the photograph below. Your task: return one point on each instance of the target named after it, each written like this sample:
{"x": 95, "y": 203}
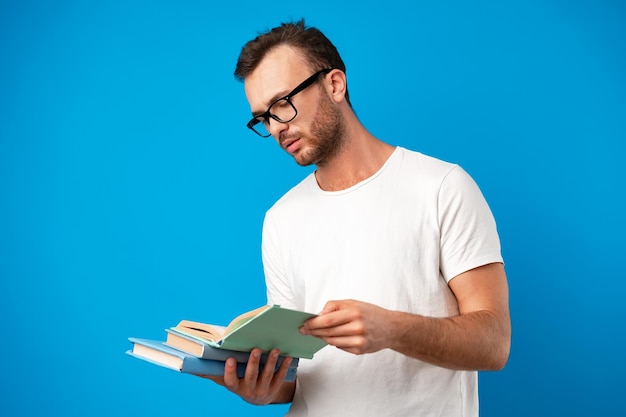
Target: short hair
{"x": 318, "y": 50}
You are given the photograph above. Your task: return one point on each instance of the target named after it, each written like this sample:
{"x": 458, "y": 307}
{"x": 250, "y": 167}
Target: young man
{"x": 398, "y": 252}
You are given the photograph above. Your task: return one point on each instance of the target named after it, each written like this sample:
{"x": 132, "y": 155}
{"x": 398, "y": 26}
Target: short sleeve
{"x": 276, "y": 280}
{"x": 469, "y": 237}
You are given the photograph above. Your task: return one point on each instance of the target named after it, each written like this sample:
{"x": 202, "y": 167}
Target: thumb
{"x": 331, "y": 306}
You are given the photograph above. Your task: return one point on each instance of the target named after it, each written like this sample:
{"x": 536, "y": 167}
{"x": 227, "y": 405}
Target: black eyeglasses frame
{"x": 264, "y": 117}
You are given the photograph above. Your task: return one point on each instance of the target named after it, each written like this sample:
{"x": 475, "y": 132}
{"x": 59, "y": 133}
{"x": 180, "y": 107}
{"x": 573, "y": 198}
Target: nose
{"x": 275, "y": 128}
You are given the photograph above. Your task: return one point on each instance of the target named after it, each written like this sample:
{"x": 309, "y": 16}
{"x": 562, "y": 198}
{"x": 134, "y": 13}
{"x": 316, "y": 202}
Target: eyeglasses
{"x": 282, "y": 110}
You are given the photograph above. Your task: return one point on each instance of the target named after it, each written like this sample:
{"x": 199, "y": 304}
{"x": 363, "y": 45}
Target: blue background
{"x": 132, "y": 195}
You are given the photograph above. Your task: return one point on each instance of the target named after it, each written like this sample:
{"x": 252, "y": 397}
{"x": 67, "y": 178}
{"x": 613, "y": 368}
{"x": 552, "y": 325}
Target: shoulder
{"x": 426, "y": 170}
{"x": 419, "y": 162}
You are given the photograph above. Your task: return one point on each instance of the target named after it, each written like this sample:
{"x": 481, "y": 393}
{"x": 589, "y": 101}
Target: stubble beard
{"x": 328, "y": 131}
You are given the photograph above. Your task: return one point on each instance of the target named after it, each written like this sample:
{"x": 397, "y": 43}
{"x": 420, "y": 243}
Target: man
{"x": 397, "y": 251}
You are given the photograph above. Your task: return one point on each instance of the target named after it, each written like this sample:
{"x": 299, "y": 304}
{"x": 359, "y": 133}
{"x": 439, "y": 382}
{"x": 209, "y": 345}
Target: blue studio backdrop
{"x": 132, "y": 194}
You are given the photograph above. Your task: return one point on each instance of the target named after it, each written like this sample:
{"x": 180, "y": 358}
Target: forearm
{"x": 478, "y": 340}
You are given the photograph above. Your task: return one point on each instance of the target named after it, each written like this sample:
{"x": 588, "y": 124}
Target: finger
{"x": 327, "y": 322}
{"x": 231, "y": 379}
{"x": 280, "y": 374}
{"x": 331, "y": 306}
{"x": 352, "y": 344}
{"x": 268, "y": 369}
{"x": 252, "y": 368}
{"x": 322, "y": 320}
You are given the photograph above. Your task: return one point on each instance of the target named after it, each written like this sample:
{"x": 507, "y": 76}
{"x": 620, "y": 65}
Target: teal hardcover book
{"x": 267, "y": 327}
{"x": 158, "y": 353}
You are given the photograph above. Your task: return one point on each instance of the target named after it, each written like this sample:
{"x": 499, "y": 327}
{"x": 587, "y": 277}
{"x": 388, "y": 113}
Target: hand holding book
{"x": 261, "y": 385}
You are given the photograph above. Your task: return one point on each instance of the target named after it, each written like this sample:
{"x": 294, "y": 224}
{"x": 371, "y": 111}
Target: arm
{"x": 266, "y": 387}
{"x": 478, "y": 338}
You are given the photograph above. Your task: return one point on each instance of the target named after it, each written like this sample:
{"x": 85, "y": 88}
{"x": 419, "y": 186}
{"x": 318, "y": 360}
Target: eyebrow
{"x": 271, "y": 101}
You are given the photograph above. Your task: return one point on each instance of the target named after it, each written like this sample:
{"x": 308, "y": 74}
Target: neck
{"x": 360, "y": 157}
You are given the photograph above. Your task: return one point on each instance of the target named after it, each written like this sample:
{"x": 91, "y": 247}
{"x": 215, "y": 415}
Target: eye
{"x": 281, "y": 104}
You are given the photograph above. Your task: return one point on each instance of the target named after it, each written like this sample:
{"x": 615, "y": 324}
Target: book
{"x": 266, "y": 328}
{"x": 158, "y": 353}
{"x": 201, "y": 348}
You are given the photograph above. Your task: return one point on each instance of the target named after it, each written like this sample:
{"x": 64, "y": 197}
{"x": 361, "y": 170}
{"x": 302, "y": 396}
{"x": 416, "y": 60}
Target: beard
{"x": 328, "y": 130}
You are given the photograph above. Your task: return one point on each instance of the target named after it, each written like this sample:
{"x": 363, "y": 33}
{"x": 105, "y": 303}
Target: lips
{"x": 290, "y": 145}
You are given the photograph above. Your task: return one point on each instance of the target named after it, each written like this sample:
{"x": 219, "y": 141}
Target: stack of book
{"x": 202, "y": 349}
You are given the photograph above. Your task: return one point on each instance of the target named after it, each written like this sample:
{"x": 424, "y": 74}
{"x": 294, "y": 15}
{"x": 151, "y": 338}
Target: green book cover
{"x": 274, "y": 327}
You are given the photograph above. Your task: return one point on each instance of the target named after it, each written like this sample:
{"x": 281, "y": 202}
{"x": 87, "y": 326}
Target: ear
{"x": 337, "y": 85}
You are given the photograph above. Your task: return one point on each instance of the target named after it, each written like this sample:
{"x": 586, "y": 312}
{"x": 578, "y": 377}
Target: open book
{"x": 266, "y": 328}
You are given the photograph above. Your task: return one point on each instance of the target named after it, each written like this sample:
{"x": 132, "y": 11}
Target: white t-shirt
{"x": 394, "y": 240}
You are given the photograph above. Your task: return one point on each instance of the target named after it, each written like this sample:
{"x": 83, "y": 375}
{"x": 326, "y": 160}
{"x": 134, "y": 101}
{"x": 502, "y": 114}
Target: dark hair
{"x": 317, "y": 49}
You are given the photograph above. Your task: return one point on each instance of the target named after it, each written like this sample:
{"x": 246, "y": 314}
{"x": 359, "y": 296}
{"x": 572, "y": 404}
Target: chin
{"x": 303, "y": 162}
{"x": 303, "y": 157}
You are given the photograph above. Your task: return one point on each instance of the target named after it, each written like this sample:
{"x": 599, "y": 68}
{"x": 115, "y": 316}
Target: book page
{"x": 201, "y": 330}
{"x": 242, "y": 319}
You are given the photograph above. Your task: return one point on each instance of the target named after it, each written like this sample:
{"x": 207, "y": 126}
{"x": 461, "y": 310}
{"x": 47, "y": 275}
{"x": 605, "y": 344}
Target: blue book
{"x": 158, "y": 353}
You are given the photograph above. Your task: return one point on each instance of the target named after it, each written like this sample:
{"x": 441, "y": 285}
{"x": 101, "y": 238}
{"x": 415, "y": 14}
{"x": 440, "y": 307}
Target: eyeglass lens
{"x": 282, "y": 111}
